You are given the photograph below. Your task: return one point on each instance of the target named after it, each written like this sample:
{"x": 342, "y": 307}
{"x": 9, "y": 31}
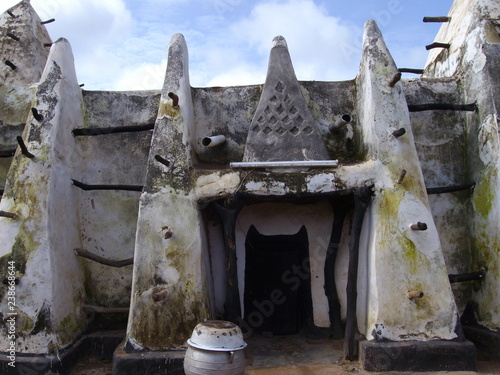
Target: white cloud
{"x": 145, "y": 76}
{"x": 313, "y": 38}
{"x": 321, "y": 47}
{"x": 228, "y": 40}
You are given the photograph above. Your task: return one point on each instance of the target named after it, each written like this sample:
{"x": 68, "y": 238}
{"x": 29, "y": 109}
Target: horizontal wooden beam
{"x": 112, "y": 130}
{"x": 105, "y": 310}
{"x": 99, "y": 259}
{"x": 409, "y": 70}
{"x": 437, "y": 19}
{"x": 478, "y": 275}
{"x": 442, "y": 107}
{"x": 7, "y": 153}
{"x": 450, "y": 189}
{"x": 83, "y": 186}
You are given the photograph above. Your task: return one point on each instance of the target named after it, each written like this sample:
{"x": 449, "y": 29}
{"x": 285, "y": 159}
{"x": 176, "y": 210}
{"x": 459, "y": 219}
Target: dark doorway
{"x": 277, "y": 296}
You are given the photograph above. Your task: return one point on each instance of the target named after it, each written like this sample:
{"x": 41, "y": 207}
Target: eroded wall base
{"x": 418, "y": 356}
{"x": 148, "y": 362}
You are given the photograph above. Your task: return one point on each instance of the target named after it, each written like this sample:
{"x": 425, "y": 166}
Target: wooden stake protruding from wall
{"x": 401, "y": 176}
{"x": 175, "y": 100}
{"x": 12, "y": 36}
{"x": 24, "y": 149}
{"x": 395, "y": 79}
{"x": 437, "y": 45}
{"x": 419, "y": 226}
{"x": 162, "y": 160}
{"x": 412, "y": 294}
{"x": 9, "y": 215}
{"x": 10, "y": 64}
{"x": 160, "y": 296}
{"x": 36, "y": 115}
{"x": 398, "y": 133}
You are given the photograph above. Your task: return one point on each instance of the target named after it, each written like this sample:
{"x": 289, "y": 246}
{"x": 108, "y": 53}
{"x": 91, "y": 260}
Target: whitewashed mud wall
{"x": 473, "y": 35}
{"x": 170, "y": 291}
{"x": 23, "y": 39}
{"x": 441, "y": 143}
{"x": 108, "y": 218}
{"x": 392, "y": 245}
{"x": 42, "y": 237}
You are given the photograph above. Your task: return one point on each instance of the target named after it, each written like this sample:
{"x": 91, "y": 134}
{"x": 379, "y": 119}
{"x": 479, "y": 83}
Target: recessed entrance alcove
{"x": 277, "y": 297}
{"x": 282, "y": 251}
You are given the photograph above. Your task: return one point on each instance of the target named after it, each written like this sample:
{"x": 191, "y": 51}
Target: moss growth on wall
{"x": 484, "y": 193}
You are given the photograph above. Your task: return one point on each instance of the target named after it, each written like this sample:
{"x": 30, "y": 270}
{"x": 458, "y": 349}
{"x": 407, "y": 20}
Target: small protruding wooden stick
{"x": 162, "y": 160}
{"x": 398, "y": 133}
{"x": 36, "y": 114}
{"x": 415, "y": 294}
{"x": 9, "y": 215}
{"x": 24, "y": 149}
{"x": 401, "y": 176}
{"x": 12, "y": 36}
{"x": 160, "y": 296}
{"x": 419, "y": 226}
{"x": 395, "y": 79}
{"x": 437, "y": 45}
{"x": 175, "y": 100}
{"x": 10, "y": 64}
{"x": 48, "y": 21}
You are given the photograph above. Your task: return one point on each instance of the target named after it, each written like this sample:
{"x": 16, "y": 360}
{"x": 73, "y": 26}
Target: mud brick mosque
{"x": 365, "y": 210}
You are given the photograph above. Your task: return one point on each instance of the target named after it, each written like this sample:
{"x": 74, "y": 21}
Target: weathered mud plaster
{"x": 22, "y": 40}
{"x": 282, "y": 127}
{"x": 108, "y": 219}
{"x": 441, "y": 143}
{"x": 473, "y": 58}
{"x": 41, "y": 239}
{"x": 181, "y": 259}
{"x": 392, "y": 245}
{"x": 175, "y": 265}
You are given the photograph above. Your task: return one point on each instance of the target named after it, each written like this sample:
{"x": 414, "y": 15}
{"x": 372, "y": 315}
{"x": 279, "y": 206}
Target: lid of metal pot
{"x": 217, "y": 335}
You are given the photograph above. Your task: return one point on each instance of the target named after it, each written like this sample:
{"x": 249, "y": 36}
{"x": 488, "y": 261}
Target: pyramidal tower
{"x": 365, "y": 210}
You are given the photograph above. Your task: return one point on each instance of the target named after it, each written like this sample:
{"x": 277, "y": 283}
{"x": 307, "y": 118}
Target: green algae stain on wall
{"x": 486, "y": 247}
{"x": 484, "y": 193}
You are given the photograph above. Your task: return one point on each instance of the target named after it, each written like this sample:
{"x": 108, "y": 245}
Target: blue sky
{"x": 122, "y": 44}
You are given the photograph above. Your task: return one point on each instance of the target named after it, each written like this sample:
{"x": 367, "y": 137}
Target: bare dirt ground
{"x": 292, "y": 355}
{"x": 95, "y": 366}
